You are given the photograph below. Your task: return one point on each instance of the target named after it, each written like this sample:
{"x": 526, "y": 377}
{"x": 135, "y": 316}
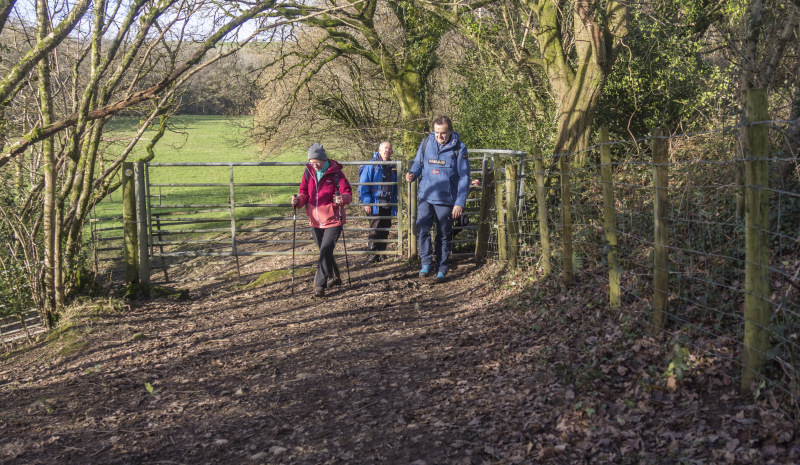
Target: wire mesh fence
{"x": 705, "y": 227}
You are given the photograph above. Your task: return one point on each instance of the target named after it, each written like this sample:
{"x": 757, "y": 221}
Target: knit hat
{"x": 316, "y": 152}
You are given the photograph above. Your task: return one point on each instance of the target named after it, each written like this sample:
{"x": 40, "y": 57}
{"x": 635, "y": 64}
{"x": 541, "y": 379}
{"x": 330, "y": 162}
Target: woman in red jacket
{"x": 324, "y": 191}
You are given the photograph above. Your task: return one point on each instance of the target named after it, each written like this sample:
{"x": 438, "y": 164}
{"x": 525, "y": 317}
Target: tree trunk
{"x": 576, "y": 109}
{"x": 577, "y": 90}
{"x": 577, "y": 82}
{"x": 84, "y": 191}
{"x": 50, "y": 224}
{"x": 407, "y": 87}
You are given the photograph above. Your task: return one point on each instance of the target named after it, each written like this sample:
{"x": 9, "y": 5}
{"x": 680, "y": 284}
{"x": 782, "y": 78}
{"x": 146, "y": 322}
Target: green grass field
{"x": 205, "y": 139}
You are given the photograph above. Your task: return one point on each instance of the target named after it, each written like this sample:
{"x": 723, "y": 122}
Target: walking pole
{"x": 344, "y": 242}
{"x": 294, "y": 231}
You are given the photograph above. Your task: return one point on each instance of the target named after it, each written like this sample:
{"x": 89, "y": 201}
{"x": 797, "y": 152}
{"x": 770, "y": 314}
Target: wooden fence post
{"x": 512, "y": 223}
{"x": 141, "y": 223}
{"x": 413, "y": 201}
{"x": 130, "y": 246}
{"x": 660, "y": 145}
{"x": 485, "y": 218}
{"x": 757, "y": 289}
{"x": 499, "y": 207}
{"x": 610, "y": 220}
{"x": 566, "y": 218}
{"x": 541, "y": 200}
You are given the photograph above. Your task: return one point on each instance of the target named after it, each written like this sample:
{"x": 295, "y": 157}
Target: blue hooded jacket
{"x": 443, "y": 171}
{"x": 374, "y": 173}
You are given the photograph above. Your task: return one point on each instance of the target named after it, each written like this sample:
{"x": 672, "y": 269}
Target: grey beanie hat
{"x": 317, "y": 152}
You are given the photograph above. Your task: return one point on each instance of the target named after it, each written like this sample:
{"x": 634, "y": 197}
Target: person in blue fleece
{"x": 442, "y": 166}
{"x": 380, "y": 215}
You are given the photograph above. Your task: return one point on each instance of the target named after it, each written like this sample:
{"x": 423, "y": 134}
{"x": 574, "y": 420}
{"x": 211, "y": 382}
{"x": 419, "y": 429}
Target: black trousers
{"x": 326, "y": 266}
{"x": 379, "y": 223}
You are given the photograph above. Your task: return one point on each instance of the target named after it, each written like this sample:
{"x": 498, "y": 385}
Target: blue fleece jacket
{"x": 374, "y": 173}
{"x": 443, "y": 171}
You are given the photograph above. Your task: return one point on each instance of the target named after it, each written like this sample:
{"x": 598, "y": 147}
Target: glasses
{"x": 316, "y": 162}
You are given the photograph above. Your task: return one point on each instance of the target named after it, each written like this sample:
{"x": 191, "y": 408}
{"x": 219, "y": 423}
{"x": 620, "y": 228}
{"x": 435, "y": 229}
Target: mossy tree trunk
{"x": 50, "y": 223}
{"x": 577, "y": 77}
{"x": 407, "y": 89}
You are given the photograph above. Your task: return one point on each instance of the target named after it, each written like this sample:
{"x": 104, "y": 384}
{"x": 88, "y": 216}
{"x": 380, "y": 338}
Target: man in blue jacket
{"x": 384, "y": 194}
{"x": 442, "y": 165}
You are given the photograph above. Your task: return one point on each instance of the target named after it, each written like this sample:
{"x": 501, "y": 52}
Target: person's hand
{"x": 410, "y": 177}
{"x": 476, "y": 182}
{"x": 457, "y": 212}
{"x": 295, "y": 201}
{"x": 367, "y": 209}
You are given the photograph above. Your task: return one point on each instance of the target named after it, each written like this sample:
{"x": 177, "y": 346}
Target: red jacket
{"x": 318, "y": 196}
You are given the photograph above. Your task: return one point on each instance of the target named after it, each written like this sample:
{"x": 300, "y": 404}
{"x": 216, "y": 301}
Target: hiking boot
{"x": 441, "y": 276}
{"x": 335, "y": 282}
{"x": 425, "y": 271}
{"x": 319, "y": 292}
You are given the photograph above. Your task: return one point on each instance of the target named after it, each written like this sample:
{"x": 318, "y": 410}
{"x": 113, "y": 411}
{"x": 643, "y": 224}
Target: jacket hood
{"x": 455, "y": 138}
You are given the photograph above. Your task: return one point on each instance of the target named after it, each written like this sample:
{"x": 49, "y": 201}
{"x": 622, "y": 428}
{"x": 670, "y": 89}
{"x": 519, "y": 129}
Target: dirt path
{"x": 396, "y": 369}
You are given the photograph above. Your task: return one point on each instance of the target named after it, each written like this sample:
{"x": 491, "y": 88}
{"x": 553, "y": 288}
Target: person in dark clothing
{"x": 383, "y": 194}
{"x": 442, "y": 165}
{"x": 324, "y": 191}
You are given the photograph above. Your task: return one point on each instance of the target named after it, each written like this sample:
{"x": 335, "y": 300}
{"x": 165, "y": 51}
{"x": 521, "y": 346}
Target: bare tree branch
{"x": 38, "y": 134}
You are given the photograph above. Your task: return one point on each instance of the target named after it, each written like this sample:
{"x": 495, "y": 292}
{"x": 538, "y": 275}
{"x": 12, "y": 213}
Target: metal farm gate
{"x": 222, "y": 210}
{"x": 238, "y": 218}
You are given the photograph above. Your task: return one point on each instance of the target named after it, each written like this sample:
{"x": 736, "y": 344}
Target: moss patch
{"x": 73, "y": 343}
{"x": 134, "y": 291}
{"x": 70, "y": 337}
{"x": 177, "y": 294}
{"x": 275, "y": 275}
